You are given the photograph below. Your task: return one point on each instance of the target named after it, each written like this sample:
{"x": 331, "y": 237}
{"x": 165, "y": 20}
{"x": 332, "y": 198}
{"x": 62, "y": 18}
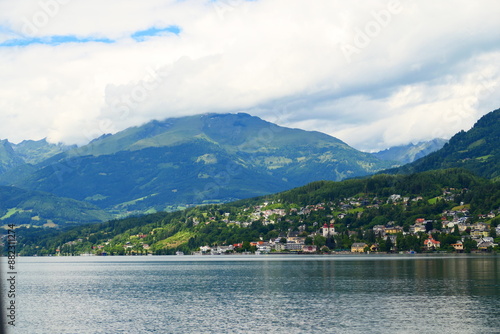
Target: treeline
{"x": 427, "y": 184}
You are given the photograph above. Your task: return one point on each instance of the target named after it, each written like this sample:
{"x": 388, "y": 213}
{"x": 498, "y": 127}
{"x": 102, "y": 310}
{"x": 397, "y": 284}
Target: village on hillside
{"x": 320, "y": 228}
{"x": 295, "y": 241}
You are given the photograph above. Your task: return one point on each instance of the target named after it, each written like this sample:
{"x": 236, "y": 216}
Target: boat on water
{"x": 179, "y": 253}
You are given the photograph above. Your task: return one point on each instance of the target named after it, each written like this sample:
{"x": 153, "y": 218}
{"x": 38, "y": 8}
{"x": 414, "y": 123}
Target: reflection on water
{"x": 274, "y": 294}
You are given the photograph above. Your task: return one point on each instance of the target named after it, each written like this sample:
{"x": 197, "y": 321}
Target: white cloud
{"x": 416, "y": 71}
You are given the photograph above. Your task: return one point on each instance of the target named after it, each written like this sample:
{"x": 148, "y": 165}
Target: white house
{"x": 328, "y": 230}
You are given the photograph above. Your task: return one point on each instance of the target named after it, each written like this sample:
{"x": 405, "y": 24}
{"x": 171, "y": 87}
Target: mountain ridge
{"x": 194, "y": 160}
{"x": 28, "y": 152}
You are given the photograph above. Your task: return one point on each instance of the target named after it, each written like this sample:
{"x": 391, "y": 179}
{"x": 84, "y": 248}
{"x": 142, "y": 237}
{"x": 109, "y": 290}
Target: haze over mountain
{"x": 405, "y": 154}
{"x": 193, "y": 160}
{"x": 8, "y": 158}
{"x": 27, "y": 152}
{"x": 35, "y": 151}
{"x": 477, "y": 150}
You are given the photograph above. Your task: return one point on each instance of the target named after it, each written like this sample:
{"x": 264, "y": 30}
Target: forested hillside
{"x": 440, "y": 198}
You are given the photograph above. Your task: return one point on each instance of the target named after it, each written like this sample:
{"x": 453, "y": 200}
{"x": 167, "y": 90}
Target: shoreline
{"x": 339, "y": 254}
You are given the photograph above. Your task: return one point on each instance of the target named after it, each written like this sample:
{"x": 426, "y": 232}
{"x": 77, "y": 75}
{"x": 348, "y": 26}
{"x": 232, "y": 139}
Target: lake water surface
{"x": 259, "y": 294}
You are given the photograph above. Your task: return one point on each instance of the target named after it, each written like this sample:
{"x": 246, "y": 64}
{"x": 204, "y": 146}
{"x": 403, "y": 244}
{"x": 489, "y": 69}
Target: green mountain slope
{"x": 23, "y": 207}
{"x": 197, "y": 159}
{"x": 152, "y": 178}
{"x": 477, "y": 150}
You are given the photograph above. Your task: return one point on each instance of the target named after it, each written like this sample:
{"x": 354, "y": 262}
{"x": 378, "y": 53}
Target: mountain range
{"x": 27, "y": 152}
{"x": 405, "y": 154}
{"x": 213, "y": 158}
{"x": 192, "y": 160}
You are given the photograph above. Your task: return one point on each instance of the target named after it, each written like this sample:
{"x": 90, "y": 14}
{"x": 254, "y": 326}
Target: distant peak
{"x": 222, "y": 115}
{"x": 101, "y": 137}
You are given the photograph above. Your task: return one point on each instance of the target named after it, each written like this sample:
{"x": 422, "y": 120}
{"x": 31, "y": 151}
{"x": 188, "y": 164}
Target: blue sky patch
{"x": 52, "y": 40}
{"x": 153, "y": 31}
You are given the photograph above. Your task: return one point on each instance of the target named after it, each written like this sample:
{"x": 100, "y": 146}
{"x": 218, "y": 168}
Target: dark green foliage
{"x": 427, "y": 184}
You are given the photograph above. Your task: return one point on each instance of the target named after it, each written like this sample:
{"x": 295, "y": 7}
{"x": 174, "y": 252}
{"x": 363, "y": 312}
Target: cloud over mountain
{"x": 373, "y": 74}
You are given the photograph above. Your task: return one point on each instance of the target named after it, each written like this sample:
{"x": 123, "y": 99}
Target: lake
{"x": 258, "y": 294}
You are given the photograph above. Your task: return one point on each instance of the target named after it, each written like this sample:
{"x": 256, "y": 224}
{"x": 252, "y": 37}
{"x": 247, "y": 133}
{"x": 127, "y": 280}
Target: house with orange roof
{"x": 458, "y": 246}
{"x": 431, "y": 244}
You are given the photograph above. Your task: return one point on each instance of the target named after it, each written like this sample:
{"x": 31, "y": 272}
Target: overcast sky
{"x": 373, "y": 73}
